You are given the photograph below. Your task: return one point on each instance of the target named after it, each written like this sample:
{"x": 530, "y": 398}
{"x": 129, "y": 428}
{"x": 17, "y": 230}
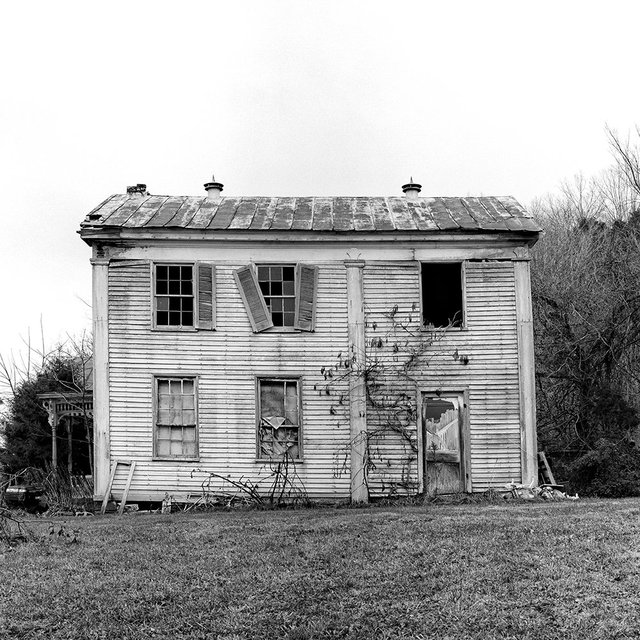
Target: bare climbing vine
{"x": 398, "y": 347}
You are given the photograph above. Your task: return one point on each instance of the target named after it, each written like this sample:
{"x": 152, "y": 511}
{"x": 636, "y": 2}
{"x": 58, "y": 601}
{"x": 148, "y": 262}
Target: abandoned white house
{"x": 230, "y": 332}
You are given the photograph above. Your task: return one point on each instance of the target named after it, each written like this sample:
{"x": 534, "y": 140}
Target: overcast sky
{"x": 287, "y": 98}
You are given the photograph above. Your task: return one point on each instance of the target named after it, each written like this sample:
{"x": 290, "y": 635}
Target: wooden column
{"x": 526, "y": 367}
{"x": 100, "y": 375}
{"x": 357, "y": 390}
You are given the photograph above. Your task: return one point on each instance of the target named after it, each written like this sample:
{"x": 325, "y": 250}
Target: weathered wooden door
{"x": 443, "y": 445}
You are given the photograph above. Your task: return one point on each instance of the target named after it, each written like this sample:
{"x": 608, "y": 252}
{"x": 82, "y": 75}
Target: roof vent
{"x": 411, "y": 189}
{"x": 138, "y": 190}
{"x": 213, "y": 188}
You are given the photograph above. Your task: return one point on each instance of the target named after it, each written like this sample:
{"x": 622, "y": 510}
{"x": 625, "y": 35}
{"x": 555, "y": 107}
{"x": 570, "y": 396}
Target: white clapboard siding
{"x": 489, "y": 340}
{"x": 226, "y": 362}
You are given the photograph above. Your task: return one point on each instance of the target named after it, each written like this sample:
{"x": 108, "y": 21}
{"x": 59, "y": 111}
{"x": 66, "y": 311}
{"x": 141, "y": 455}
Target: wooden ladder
{"x": 545, "y": 469}
{"x": 132, "y": 466}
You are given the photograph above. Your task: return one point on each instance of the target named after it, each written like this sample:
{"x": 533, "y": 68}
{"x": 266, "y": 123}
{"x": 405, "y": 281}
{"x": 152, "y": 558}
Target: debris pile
{"x": 531, "y": 492}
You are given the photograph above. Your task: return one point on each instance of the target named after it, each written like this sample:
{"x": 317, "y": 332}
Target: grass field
{"x": 540, "y": 570}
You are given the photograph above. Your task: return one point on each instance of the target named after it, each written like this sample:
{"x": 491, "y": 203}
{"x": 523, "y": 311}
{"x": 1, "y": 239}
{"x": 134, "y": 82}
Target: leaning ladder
{"x": 132, "y": 465}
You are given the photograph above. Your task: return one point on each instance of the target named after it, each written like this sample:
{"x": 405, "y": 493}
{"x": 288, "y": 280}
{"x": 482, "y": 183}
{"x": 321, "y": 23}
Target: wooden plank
{"x": 343, "y": 214}
{"x": 106, "y": 208}
{"x": 283, "y": 217}
{"x": 460, "y": 213}
{"x": 303, "y": 214}
{"x": 263, "y": 206}
{"x": 322, "y": 214}
{"x": 165, "y": 212}
{"x": 204, "y": 215}
{"x": 186, "y": 213}
{"x": 125, "y": 494}
{"x": 440, "y": 214}
{"x": 362, "y": 217}
{"x": 244, "y": 214}
{"x": 105, "y": 500}
{"x": 546, "y": 469}
{"x": 224, "y": 214}
{"x": 401, "y": 214}
{"x": 381, "y": 216}
{"x": 421, "y": 216}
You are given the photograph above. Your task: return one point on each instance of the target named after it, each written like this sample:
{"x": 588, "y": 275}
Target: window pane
{"x": 277, "y": 319}
{"x": 161, "y": 287}
{"x": 174, "y": 319}
{"x": 291, "y": 402}
{"x": 189, "y": 435}
{"x": 161, "y": 272}
{"x": 288, "y": 288}
{"x": 174, "y": 273}
{"x": 276, "y": 273}
{"x": 276, "y": 288}
{"x": 174, "y": 304}
{"x": 189, "y": 449}
{"x": 163, "y": 447}
{"x": 288, "y": 273}
{"x": 276, "y": 304}
{"x": 163, "y": 304}
{"x": 174, "y": 287}
{"x": 289, "y": 304}
{"x": 188, "y": 416}
{"x": 187, "y": 304}
{"x": 187, "y": 387}
{"x": 163, "y": 318}
{"x": 164, "y": 433}
{"x": 288, "y": 319}
{"x": 186, "y": 287}
{"x": 186, "y": 272}
{"x": 187, "y": 319}
{"x": 271, "y": 398}
{"x": 176, "y": 448}
{"x": 263, "y": 273}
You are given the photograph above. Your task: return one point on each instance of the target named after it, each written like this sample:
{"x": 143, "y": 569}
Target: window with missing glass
{"x": 278, "y": 286}
{"x": 278, "y": 414}
{"x": 442, "y": 294}
{"x": 174, "y": 295}
{"x": 175, "y": 427}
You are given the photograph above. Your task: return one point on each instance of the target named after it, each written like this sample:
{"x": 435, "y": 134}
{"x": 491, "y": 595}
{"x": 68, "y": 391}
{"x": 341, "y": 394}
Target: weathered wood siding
{"x": 226, "y": 362}
{"x": 489, "y": 341}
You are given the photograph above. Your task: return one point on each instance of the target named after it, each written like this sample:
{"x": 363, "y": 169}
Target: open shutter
{"x": 206, "y": 296}
{"x": 254, "y": 303}
{"x": 306, "y": 285}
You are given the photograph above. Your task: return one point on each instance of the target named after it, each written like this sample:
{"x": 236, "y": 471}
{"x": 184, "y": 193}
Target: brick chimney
{"x": 411, "y": 189}
{"x": 213, "y": 188}
{"x": 138, "y": 190}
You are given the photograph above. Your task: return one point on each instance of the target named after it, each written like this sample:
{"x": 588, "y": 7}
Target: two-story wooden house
{"x": 381, "y": 344}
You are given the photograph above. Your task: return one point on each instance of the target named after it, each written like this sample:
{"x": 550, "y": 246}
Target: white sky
{"x": 286, "y": 98}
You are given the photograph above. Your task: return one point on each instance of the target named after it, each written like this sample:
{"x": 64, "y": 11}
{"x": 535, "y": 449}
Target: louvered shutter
{"x": 254, "y": 303}
{"x": 306, "y": 285}
{"x": 205, "y": 278}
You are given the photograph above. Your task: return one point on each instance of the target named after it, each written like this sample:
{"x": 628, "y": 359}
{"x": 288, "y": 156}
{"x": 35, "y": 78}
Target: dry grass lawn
{"x": 542, "y": 570}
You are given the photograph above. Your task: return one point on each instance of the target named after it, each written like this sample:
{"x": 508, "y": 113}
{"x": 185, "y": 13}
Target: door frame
{"x": 465, "y": 439}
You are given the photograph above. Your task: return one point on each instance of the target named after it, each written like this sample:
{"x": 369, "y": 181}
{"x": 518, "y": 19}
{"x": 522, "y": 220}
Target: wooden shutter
{"x": 205, "y": 278}
{"x": 254, "y": 303}
{"x": 306, "y": 285}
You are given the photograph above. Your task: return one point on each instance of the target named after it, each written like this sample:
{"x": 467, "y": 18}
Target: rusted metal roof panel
{"x": 340, "y": 214}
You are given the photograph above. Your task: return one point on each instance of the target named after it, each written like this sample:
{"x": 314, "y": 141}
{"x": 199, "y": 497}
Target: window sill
{"x": 176, "y": 329}
{"x": 425, "y": 329}
{"x": 281, "y": 330}
{"x": 159, "y": 459}
{"x": 276, "y": 460}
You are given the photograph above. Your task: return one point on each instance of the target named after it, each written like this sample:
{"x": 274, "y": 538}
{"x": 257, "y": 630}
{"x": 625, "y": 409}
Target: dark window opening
{"x": 174, "y": 295}
{"x": 278, "y": 286}
{"x": 442, "y": 294}
{"x": 278, "y": 419}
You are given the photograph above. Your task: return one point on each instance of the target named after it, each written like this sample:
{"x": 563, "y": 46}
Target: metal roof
{"x": 337, "y": 214}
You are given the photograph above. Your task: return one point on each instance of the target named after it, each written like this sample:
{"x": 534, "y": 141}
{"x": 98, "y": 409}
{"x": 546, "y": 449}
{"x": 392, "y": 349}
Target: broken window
{"x": 442, "y": 303}
{"x": 279, "y": 431}
{"x": 279, "y": 295}
{"x": 175, "y": 420}
{"x": 177, "y": 289}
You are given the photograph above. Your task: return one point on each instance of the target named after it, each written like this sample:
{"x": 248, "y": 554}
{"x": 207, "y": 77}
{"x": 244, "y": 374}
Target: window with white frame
{"x": 278, "y": 416}
{"x": 442, "y": 294}
{"x": 175, "y": 427}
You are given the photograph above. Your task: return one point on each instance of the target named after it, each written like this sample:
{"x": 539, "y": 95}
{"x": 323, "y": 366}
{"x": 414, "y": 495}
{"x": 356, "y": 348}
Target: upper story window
{"x": 442, "y": 294}
{"x": 174, "y": 295}
{"x": 279, "y": 295}
{"x": 184, "y": 296}
{"x": 278, "y": 286}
